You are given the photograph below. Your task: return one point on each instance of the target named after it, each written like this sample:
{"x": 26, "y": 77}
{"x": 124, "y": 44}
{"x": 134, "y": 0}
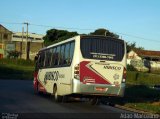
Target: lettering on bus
{"x": 103, "y": 56}
{"x": 55, "y": 75}
{"x": 112, "y": 67}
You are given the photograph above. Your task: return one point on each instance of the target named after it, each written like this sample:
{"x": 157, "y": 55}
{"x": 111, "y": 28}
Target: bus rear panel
{"x": 102, "y": 67}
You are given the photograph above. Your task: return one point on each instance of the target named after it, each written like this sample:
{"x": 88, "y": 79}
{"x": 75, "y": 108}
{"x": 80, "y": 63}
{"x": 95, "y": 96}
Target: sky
{"x": 133, "y": 20}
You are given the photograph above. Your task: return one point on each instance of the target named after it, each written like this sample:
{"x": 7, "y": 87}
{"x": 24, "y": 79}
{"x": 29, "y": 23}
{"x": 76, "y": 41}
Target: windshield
{"x": 103, "y": 48}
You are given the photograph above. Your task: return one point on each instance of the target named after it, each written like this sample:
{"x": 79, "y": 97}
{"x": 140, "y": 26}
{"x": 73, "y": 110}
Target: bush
{"x": 139, "y": 78}
{"x": 14, "y": 54}
{"x": 16, "y": 69}
{"x": 130, "y": 68}
{"x": 138, "y": 65}
{"x": 17, "y": 62}
{"x": 141, "y": 91}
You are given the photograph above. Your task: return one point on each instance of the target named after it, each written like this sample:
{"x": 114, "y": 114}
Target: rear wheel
{"x": 57, "y": 97}
{"x": 94, "y": 101}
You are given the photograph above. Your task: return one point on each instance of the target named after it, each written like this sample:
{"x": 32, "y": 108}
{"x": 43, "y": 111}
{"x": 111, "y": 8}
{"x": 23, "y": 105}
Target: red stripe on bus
{"x": 41, "y": 87}
{"x": 85, "y": 73}
{"x": 36, "y": 81}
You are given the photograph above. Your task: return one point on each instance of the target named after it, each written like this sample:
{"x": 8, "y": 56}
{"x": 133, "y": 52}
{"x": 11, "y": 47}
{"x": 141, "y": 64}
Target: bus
{"x": 85, "y": 66}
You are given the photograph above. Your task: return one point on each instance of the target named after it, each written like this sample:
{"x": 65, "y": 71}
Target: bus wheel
{"x": 94, "y": 101}
{"x": 57, "y": 97}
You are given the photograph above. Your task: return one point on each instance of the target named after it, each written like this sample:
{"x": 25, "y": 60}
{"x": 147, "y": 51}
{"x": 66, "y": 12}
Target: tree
{"x": 104, "y": 32}
{"x": 55, "y": 35}
{"x": 132, "y": 46}
{"x": 13, "y": 54}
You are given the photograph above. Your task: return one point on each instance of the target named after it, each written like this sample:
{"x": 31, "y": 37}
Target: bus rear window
{"x": 105, "y": 48}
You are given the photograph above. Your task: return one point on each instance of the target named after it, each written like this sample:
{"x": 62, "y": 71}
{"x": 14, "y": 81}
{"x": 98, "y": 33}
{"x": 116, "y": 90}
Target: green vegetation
{"x": 139, "y": 97}
{"x": 16, "y": 69}
{"x": 103, "y": 32}
{"x": 151, "y": 107}
{"x": 132, "y": 46}
{"x": 143, "y": 98}
{"x": 139, "y": 93}
{"x": 139, "y": 78}
{"x": 13, "y": 54}
{"x": 54, "y": 35}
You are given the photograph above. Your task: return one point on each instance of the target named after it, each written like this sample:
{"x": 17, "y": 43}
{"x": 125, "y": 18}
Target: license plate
{"x": 101, "y": 89}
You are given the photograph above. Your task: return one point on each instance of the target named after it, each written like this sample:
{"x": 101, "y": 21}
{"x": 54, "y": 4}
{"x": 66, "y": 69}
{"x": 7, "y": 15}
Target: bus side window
{"x": 71, "y": 52}
{"x": 66, "y": 58}
{"x": 42, "y": 57}
{"x": 61, "y": 58}
{"x": 57, "y": 54}
{"x": 47, "y": 57}
{"x": 52, "y": 57}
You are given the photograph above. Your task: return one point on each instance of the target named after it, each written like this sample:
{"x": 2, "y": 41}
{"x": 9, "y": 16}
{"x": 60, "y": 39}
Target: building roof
{"x": 147, "y": 53}
{"x": 5, "y": 28}
{"x": 32, "y": 37}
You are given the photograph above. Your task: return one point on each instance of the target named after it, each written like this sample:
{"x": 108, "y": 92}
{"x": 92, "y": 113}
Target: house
{"x": 36, "y": 42}
{"x": 150, "y": 59}
{"x": 144, "y": 54}
{"x": 5, "y": 41}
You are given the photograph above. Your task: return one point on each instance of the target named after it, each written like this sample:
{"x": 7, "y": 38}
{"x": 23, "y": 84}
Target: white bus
{"x": 85, "y": 66}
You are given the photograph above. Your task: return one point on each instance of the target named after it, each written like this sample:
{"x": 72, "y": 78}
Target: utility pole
{"x": 21, "y": 45}
{"x": 27, "y": 43}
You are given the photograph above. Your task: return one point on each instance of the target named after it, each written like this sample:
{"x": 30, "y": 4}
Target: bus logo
{"x": 55, "y": 75}
{"x": 112, "y": 67}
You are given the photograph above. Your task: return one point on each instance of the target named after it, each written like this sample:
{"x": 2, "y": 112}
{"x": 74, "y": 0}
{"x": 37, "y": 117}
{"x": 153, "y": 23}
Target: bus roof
{"x": 81, "y": 36}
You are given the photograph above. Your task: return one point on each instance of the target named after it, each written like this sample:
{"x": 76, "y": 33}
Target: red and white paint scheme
{"x": 83, "y": 65}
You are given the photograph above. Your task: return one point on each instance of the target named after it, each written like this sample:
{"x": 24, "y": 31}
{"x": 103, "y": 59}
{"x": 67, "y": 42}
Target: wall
{"x": 5, "y": 38}
{"x": 34, "y": 48}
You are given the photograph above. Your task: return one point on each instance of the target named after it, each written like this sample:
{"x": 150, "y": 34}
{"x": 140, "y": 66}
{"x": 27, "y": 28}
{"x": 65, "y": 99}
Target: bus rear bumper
{"x": 98, "y": 89}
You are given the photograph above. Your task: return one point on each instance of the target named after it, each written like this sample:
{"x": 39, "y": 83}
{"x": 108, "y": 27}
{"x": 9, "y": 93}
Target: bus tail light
{"x": 124, "y": 75}
{"x": 76, "y": 71}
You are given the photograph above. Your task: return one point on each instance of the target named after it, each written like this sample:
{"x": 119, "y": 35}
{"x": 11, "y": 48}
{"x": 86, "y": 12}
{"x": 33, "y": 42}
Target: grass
{"x": 143, "y": 98}
{"x": 139, "y": 97}
{"x": 16, "y": 69}
{"x": 139, "y": 78}
{"x": 149, "y": 107}
{"x": 139, "y": 94}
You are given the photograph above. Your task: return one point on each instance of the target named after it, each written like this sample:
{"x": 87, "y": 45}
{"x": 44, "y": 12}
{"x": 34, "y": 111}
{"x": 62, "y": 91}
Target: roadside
{"x": 140, "y": 93}
{"x": 137, "y": 99}
{"x": 16, "y": 69}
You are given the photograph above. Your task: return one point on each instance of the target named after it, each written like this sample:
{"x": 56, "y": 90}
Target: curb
{"x": 130, "y": 109}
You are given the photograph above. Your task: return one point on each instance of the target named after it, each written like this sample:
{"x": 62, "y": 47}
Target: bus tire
{"x": 94, "y": 101}
{"x": 57, "y": 97}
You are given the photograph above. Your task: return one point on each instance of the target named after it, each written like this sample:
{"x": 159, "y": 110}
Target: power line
{"x": 94, "y": 29}
{"x": 11, "y": 23}
{"x": 62, "y": 27}
{"x": 137, "y": 37}
{"x": 87, "y": 29}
